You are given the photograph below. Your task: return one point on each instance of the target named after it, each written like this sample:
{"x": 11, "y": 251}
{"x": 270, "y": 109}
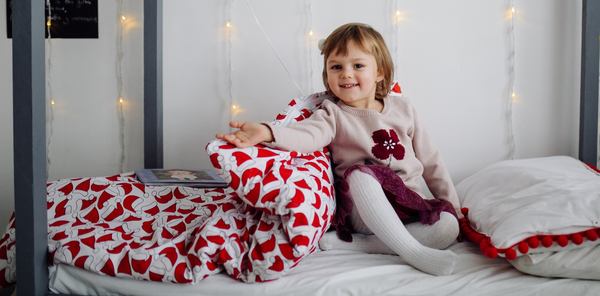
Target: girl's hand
{"x": 248, "y": 134}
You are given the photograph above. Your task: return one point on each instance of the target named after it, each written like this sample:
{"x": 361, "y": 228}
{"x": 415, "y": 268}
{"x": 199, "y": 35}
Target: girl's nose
{"x": 346, "y": 74}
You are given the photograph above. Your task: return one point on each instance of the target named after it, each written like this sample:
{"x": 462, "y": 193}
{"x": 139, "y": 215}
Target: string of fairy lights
{"x": 311, "y": 45}
{"x": 395, "y": 20}
{"x": 268, "y": 39}
{"x": 511, "y": 13}
{"x": 49, "y": 90}
{"x": 121, "y": 26}
{"x": 397, "y": 16}
{"x": 233, "y": 107}
{"x": 123, "y": 23}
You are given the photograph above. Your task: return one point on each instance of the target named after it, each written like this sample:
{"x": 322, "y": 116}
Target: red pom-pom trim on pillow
{"x": 527, "y": 245}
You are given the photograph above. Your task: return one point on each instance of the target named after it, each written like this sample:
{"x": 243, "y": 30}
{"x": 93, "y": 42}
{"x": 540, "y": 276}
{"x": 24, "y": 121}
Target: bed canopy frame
{"x": 29, "y": 128}
{"x": 588, "y": 114}
{"x": 29, "y": 124}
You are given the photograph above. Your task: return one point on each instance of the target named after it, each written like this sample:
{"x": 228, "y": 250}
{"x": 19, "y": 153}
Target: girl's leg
{"x": 379, "y": 216}
{"x": 439, "y": 235}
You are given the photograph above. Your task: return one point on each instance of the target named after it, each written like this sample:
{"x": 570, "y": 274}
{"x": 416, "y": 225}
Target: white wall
{"x": 85, "y": 139}
{"x": 451, "y": 60}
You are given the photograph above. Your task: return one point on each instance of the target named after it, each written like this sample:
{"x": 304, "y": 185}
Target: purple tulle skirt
{"x": 409, "y": 206}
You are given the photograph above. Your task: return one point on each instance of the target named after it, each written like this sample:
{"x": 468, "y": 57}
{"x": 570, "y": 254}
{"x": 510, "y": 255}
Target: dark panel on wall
{"x": 70, "y": 18}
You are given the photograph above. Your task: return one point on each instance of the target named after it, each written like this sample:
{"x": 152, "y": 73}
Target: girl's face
{"x": 353, "y": 77}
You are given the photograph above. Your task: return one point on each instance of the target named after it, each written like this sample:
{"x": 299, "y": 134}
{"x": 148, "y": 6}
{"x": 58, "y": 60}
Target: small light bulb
{"x": 399, "y": 16}
{"x": 49, "y": 23}
{"x": 512, "y": 12}
{"x": 228, "y": 24}
{"x": 311, "y": 33}
{"x": 236, "y": 109}
{"x": 51, "y": 102}
{"x": 123, "y": 18}
{"x": 121, "y": 100}
{"x": 514, "y": 97}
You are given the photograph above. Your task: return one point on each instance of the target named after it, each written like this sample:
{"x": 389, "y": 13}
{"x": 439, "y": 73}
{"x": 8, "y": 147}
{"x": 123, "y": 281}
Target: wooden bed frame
{"x": 29, "y": 121}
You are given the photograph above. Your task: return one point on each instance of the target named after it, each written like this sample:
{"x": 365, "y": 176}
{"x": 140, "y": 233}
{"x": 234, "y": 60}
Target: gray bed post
{"x": 588, "y": 115}
{"x": 29, "y": 128}
{"x": 153, "y": 111}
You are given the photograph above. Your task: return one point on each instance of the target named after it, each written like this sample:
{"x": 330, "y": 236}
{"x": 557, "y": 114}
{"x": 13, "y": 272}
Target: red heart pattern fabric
{"x": 295, "y": 189}
{"x": 277, "y": 207}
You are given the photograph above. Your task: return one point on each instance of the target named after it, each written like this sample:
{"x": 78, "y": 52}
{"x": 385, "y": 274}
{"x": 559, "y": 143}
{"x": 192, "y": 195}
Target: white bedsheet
{"x": 345, "y": 273}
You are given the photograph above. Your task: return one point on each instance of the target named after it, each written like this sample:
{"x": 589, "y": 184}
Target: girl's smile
{"x": 349, "y": 85}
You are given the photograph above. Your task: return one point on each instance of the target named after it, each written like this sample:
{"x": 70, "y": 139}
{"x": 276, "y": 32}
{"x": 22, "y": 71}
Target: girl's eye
{"x": 358, "y": 66}
{"x": 335, "y": 67}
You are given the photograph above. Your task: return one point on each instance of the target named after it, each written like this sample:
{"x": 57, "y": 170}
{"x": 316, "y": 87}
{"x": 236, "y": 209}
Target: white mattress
{"x": 344, "y": 273}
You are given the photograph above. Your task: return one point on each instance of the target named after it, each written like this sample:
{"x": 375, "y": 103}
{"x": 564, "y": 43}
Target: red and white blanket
{"x": 116, "y": 226}
{"x": 276, "y": 209}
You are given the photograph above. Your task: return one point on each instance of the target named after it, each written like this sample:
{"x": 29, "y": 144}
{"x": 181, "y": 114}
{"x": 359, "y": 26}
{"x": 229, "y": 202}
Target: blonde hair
{"x": 368, "y": 40}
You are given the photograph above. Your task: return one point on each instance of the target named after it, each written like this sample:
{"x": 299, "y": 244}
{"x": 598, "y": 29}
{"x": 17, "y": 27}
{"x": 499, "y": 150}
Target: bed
{"x": 321, "y": 273}
{"x": 346, "y": 273}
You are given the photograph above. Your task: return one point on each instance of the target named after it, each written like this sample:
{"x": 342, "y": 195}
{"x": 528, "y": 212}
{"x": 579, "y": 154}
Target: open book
{"x": 179, "y": 177}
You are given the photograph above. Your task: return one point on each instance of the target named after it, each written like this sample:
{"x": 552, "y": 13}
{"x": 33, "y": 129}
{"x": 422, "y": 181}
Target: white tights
{"x": 416, "y": 243}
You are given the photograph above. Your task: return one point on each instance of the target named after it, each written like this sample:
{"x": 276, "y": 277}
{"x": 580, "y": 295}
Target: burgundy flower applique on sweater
{"x": 386, "y": 144}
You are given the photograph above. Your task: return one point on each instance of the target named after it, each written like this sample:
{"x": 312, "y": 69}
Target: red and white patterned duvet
{"x": 117, "y": 226}
{"x": 277, "y": 207}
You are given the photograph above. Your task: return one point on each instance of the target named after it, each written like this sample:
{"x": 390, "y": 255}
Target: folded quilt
{"x": 117, "y": 226}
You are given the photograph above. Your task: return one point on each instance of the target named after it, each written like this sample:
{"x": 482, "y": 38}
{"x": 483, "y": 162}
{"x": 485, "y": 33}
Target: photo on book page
{"x": 179, "y": 177}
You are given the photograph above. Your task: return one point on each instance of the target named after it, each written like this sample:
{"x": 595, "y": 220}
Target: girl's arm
{"x": 434, "y": 171}
{"x": 308, "y": 135}
{"x": 305, "y": 136}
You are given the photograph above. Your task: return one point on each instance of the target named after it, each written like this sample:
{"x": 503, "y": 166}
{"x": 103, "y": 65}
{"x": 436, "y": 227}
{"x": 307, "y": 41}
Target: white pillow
{"x": 582, "y": 263}
{"x": 528, "y": 206}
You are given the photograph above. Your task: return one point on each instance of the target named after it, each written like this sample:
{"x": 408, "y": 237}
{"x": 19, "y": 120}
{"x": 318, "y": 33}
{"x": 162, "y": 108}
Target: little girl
{"x": 380, "y": 153}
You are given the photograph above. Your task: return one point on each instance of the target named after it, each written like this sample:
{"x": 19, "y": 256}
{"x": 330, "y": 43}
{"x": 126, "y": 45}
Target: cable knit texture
{"x": 408, "y": 205}
{"x": 375, "y": 210}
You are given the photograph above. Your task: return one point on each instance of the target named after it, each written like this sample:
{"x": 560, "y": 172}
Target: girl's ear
{"x": 379, "y": 76}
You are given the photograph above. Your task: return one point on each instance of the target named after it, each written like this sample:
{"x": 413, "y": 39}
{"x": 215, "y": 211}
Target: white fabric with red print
{"x": 277, "y": 207}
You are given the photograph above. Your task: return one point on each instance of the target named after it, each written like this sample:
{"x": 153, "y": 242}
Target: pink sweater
{"x": 395, "y": 138}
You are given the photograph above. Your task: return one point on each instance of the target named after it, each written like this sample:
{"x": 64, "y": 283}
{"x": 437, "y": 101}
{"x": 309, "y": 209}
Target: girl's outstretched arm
{"x": 248, "y": 134}
{"x": 305, "y": 136}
